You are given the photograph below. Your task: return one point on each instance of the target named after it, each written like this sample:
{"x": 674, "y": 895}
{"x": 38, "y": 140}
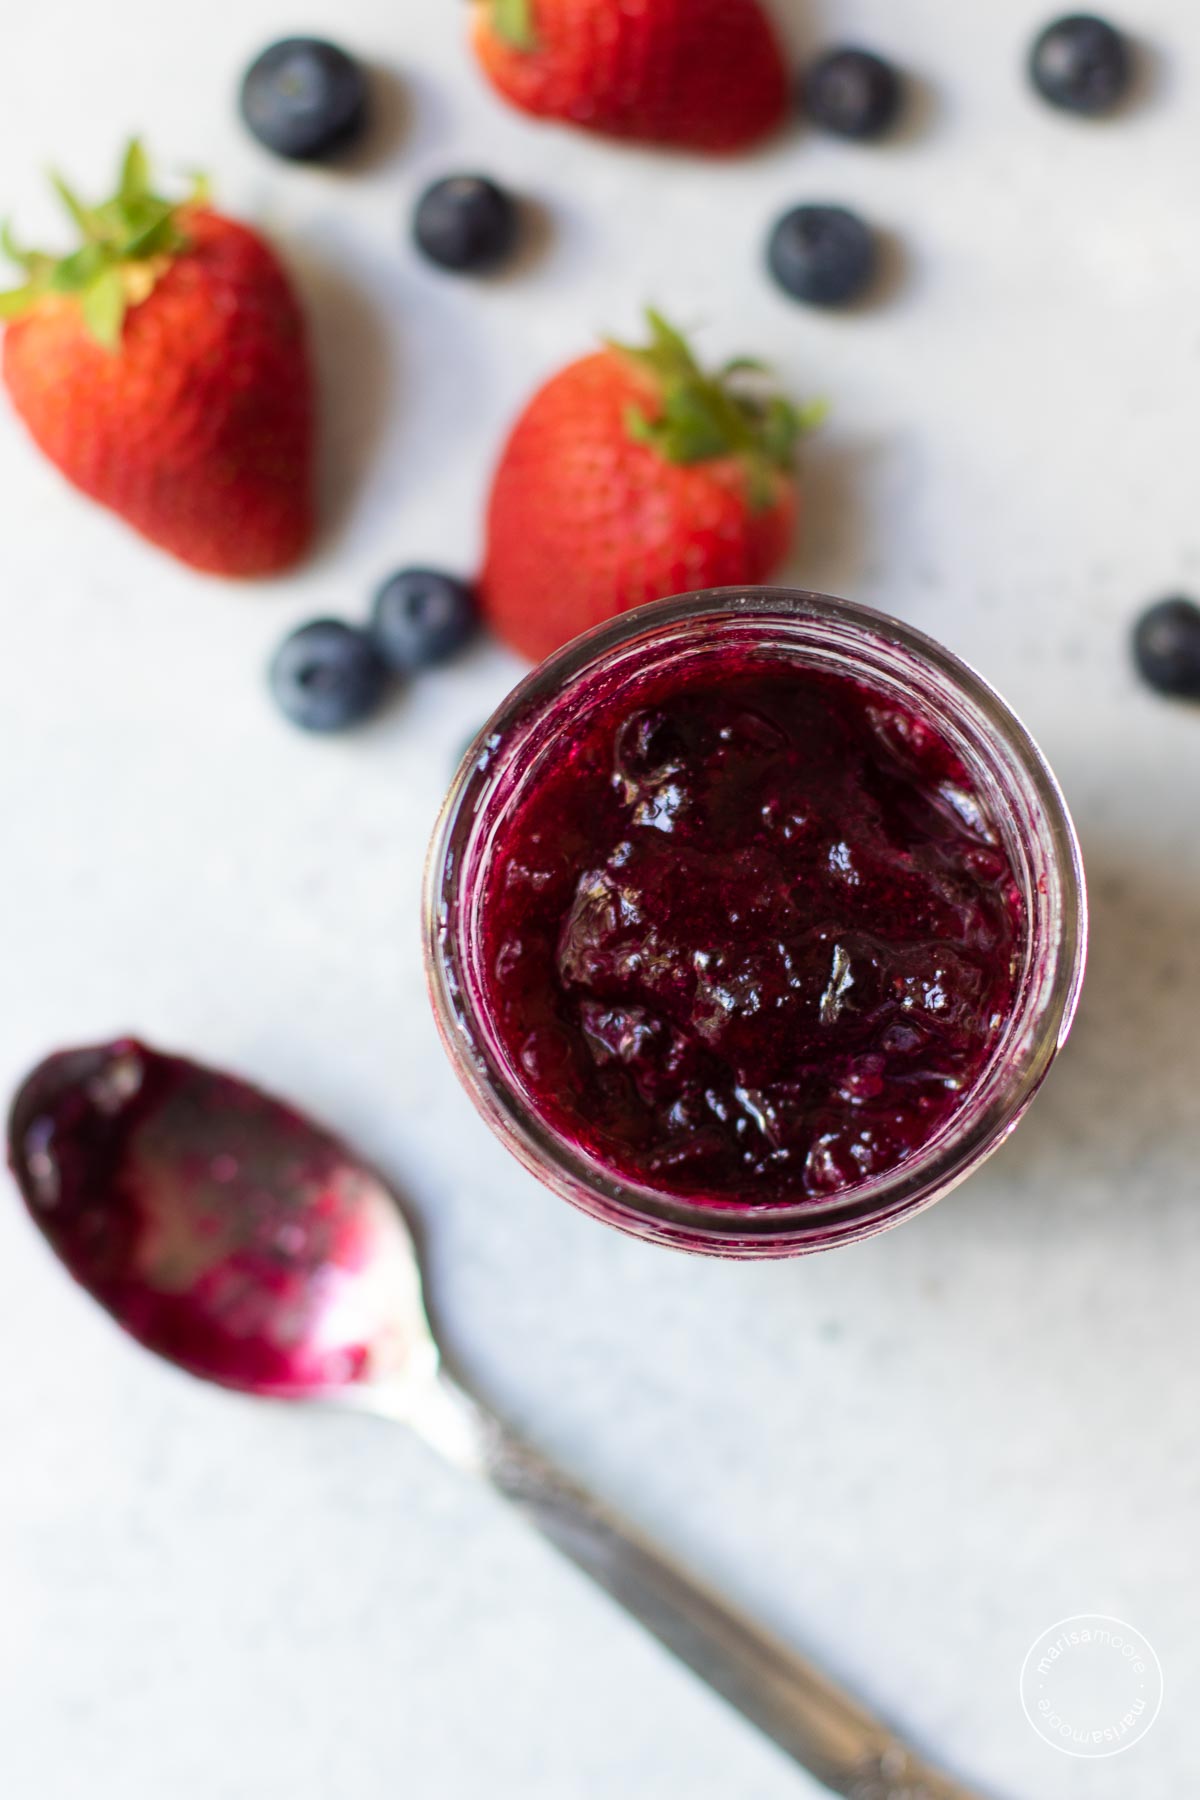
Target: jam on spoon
{"x": 243, "y": 1242}
{"x": 749, "y": 935}
{"x": 220, "y": 1227}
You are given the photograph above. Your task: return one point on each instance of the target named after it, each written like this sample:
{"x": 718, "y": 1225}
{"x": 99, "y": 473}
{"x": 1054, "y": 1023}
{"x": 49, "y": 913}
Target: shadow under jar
{"x": 754, "y": 921}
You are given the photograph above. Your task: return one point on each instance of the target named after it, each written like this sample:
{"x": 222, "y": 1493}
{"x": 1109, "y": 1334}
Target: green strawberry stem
{"x": 730, "y": 413}
{"x": 128, "y": 232}
{"x": 512, "y": 20}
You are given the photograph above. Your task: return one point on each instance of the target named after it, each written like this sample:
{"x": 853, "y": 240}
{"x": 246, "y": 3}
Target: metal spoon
{"x": 231, "y": 1235}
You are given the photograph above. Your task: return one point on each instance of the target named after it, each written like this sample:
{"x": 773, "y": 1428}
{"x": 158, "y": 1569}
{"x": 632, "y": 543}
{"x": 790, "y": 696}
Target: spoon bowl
{"x": 219, "y": 1226}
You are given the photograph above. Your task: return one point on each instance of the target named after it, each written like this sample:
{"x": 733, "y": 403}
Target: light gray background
{"x": 912, "y": 1456}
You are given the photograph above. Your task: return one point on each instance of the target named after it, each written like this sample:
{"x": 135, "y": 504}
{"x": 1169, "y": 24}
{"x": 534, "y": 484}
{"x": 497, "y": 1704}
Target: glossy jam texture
{"x": 748, "y": 935}
{"x": 220, "y": 1227}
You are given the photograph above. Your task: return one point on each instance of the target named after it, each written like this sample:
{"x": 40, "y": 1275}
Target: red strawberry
{"x": 633, "y": 475}
{"x": 163, "y": 368}
{"x": 699, "y": 74}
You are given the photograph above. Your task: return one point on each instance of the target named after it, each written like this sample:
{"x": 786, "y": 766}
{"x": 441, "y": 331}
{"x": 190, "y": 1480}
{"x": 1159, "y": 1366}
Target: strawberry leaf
{"x": 692, "y": 428}
{"x": 85, "y": 219}
{"x": 103, "y": 302}
{"x": 155, "y": 232}
{"x": 73, "y": 273}
{"x": 15, "y": 301}
{"x": 701, "y": 418}
{"x": 512, "y": 21}
{"x": 640, "y": 428}
{"x": 11, "y": 248}
{"x": 128, "y": 241}
{"x": 811, "y": 416}
{"x": 668, "y": 356}
{"x": 666, "y": 341}
{"x": 780, "y": 429}
{"x": 135, "y": 176}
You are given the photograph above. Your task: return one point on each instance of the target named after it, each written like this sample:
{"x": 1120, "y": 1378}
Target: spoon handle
{"x": 806, "y": 1714}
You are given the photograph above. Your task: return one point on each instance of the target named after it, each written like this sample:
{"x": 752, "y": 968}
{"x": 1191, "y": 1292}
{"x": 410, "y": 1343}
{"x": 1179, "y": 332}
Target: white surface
{"x": 912, "y": 1456}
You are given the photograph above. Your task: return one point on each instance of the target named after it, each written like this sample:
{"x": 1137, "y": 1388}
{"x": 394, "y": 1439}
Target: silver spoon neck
{"x": 452, "y": 1422}
{"x": 441, "y": 1412}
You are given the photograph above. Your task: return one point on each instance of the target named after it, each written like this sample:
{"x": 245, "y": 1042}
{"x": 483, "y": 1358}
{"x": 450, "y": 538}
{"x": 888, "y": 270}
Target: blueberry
{"x": 303, "y": 98}
{"x": 466, "y": 223}
{"x": 853, "y": 94}
{"x": 1166, "y": 647}
{"x": 422, "y": 617}
{"x": 823, "y": 255}
{"x": 327, "y": 676}
{"x": 1082, "y": 64}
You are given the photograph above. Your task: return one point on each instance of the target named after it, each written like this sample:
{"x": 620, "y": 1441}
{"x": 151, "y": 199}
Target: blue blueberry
{"x": 1166, "y": 647}
{"x": 421, "y": 617}
{"x": 304, "y": 98}
{"x": 853, "y": 94}
{"x": 1082, "y": 64}
{"x": 823, "y": 255}
{"x": 328, "y": 676}
{"x": 466, "y": 223}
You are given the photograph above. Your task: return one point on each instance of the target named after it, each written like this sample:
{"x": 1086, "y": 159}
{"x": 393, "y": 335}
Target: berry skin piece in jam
{"x": 751, "y": 938}
{"x": 221, "y": 1228}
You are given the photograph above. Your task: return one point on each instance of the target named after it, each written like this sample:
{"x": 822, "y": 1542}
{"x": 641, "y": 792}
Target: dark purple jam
{"x": 749, "y": 935}
{"x": 219, "y": 1226}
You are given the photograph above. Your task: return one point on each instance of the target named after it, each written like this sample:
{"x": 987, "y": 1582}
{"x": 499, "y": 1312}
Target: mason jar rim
{"x": 745, "y": 1228}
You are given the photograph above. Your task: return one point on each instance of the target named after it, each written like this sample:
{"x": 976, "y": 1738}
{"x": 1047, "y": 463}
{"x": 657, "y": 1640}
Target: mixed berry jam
{"x": 748, "y": 934}
{"x": 220, "y": 1227}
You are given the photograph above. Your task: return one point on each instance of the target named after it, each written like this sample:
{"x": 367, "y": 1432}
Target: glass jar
{"x": 1011, "y": 778}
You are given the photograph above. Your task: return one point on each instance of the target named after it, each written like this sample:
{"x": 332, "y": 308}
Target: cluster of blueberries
{"x": 306, "y": 99}
{"x": 329, "y": 674}
{"x": 827, "y": 255}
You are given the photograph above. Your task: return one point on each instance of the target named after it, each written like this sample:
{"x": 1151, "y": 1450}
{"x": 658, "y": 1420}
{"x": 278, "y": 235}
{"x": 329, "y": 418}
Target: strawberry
{"x": 163, "y": 368}
{"x": 630, "y": 476}
{"x": 699, "y": 74}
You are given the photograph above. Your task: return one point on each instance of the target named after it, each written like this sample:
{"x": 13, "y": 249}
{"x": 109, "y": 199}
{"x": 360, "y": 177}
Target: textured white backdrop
{"x": 912, "y": 1456}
